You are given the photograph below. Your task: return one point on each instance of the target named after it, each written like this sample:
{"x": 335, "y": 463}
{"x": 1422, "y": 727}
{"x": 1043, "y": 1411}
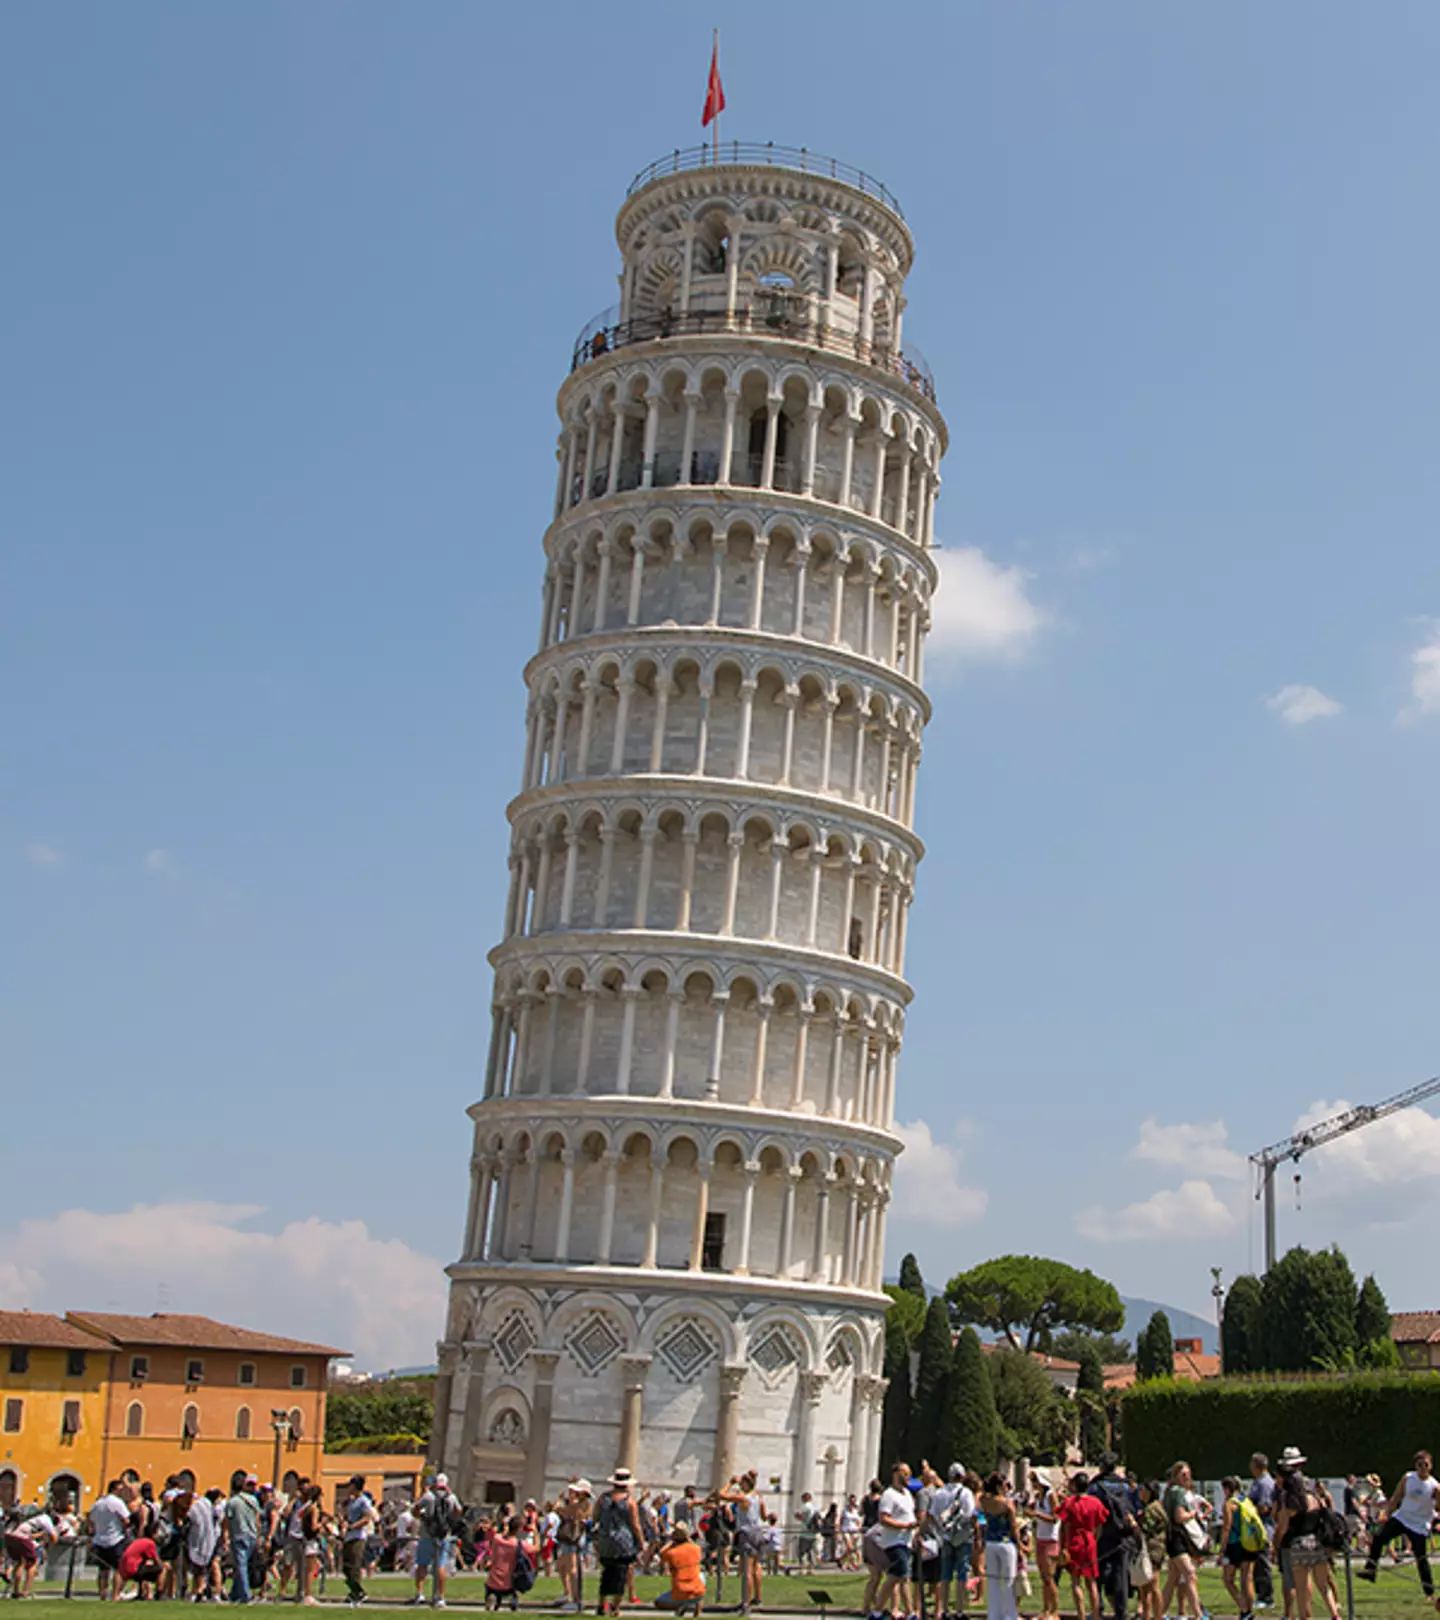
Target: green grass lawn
{"x": 1396, "y": 1597}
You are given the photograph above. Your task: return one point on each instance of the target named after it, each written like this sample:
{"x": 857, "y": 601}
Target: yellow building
{"x": 54, "y": 1382}
{"x": 94, "y": 1396}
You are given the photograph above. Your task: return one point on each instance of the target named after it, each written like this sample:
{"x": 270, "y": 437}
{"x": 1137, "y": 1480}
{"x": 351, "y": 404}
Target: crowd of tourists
{"x": 927, "y": 1545}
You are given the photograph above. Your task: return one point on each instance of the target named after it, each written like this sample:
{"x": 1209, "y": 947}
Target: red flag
{"x": 714, "y": 91}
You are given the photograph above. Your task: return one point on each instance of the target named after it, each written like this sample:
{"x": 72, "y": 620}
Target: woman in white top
{"x": 1043, "y": 1510}
{"x": 1410, "y": 1513}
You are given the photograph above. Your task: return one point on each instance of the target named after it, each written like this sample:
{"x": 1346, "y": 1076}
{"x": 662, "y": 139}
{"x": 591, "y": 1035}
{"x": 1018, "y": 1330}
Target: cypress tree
{"x": 1155, "y": 1350}
{"x": 899, "y": 1399}
{"x": 1242, "y": 1328}
{"x": 932, "y": 1377}
{"x": 1372, "y": 1314}
{"x": 910, "y": 1279}
{"x": 1090, "y": 1395}
{"x": 970, "y": 1431}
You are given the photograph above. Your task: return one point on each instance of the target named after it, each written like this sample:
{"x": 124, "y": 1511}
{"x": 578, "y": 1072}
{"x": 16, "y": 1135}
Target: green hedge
{"x": 1363, "y": 1423}
{"x": 408, "y": 1444}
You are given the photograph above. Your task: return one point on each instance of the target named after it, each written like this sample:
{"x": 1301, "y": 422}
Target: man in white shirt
{"x": 109, "y": 1531}
{"x": 897, "y": 1531}
{"x": 1410, "y": 1512}
{"x": 952, "y": 1511}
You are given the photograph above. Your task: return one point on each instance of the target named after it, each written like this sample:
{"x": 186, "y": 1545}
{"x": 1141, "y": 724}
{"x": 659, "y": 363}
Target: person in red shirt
{"x": 140, "y": 1562}
{"x": 1081, "y": 1516}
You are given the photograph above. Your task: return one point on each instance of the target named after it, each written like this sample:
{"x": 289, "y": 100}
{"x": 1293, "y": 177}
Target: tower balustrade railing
{"x": 765, "y": 154}
{"x": 793, "y": 324}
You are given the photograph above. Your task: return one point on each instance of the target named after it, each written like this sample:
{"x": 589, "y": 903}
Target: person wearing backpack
{"x": 1242, "y": 1534}
{"x": 1118, "y": 1538}
{"x": 440, "y": 1514}
{"x": 617, "y": 1539}
{"x": 952, "y": 1508}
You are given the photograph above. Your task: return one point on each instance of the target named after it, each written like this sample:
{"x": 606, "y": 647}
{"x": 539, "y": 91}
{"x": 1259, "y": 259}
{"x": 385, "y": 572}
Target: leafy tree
{"x": 1155, "y": 1349}
{"x": 1372, "y": 1314}
{"x": 899, "y": 1398}
{"x": 906, "y": 1312}
{"x": 1090, "y": 1398}
{"x": 1021, "y": 1294}
{"x": 1036, "y": 1420}
{"x": 1112, "y": 1351}
{"x": 1242, "y": 1327}
{"x": 969, "y": 1433}
{"x": 385, "y": 1407}
{"x": 910, "y": 1279}
{"x": 1309, "y": 1304}
{"x": 932, "y": 1377}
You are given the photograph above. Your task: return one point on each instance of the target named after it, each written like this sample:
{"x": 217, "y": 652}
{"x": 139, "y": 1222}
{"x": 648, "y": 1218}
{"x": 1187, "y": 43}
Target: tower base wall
{"x": 546, "y": 1380}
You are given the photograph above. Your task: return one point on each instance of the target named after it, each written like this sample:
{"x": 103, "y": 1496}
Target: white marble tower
{"x": 684, "y": 1151}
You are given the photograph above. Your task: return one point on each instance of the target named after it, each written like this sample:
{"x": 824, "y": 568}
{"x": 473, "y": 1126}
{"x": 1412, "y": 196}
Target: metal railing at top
{"x": 600, "y": 336}
{"x": 766, "y": 154}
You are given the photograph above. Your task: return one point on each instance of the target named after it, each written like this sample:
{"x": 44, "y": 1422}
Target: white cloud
{"x": 1402, "y": 1147}
{"x": 981, "y": 610}
{"x": 1424, "y": 678}
{"x": 330, "y": 1281}
{"x": 1201, "y": 1148}
{"x": 928, "y": 1188}
{"x": 1299, "y": 705}
{"x": 1188, "y": 1212}
{"x": 43, "y": 855}
{"x": 162, "y": 863}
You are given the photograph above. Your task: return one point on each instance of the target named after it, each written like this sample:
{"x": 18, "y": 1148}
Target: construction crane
{"x": 1294, "y": 1148}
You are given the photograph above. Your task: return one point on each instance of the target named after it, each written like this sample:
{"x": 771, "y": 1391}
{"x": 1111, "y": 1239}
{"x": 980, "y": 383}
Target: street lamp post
{"x": 280, "y": 1422}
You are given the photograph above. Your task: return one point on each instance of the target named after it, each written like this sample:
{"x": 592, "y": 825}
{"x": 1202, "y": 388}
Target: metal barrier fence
{"x": 766, "y": 155}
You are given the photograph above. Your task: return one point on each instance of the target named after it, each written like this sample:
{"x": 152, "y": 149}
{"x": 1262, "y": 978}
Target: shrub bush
{"x": 1368, "y": 1422}
{"x": 408, "y": 1445}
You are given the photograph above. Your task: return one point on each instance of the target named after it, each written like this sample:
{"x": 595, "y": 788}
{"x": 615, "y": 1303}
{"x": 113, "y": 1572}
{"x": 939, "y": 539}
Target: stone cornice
{"x": 724, "y": 502}
{"x": 643, "y": 943}
{"x": 876, "y": 379}
{"x": 695, "y": 1111}
{"x": 828, "y": 810}
{"x": 657, "y": 1279}
{"x": 691, "y": 638}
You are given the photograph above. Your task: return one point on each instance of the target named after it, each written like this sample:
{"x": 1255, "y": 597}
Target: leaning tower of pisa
{"x": 683, "y": 1155}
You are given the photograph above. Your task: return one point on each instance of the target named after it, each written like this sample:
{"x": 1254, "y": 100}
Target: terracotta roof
{"x": 42, "y": 1331}
{"x": 1193, "y": 1367}
{"x": 193, "y": 1333}
{"x": 1415, "y": 1327}
{"x": 1053, "y": 1363}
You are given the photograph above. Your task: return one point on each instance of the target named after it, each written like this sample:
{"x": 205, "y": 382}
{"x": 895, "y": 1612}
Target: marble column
{"x": 542, "y": 1409}
{"x": 634, "y": 1369}
{"x": 812, "y": 1387}
{"x": 477, "y": 1356}
{"x": 727, "y": 1425}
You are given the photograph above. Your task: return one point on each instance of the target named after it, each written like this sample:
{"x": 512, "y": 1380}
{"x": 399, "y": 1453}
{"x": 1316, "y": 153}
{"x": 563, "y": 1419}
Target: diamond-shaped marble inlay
{"x": 595, "y": 1343}
{"x": 774, "y": 1353}
{"x": 514, "y": 1341}
{"x": 839, "y": 1358}
{"x": 687, "y": 1350}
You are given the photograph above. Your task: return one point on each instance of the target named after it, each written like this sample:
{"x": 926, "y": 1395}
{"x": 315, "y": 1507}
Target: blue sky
{"x": 289, "y": 291}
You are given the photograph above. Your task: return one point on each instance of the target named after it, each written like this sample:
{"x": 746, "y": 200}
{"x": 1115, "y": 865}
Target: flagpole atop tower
{"x": 714, "y": 99}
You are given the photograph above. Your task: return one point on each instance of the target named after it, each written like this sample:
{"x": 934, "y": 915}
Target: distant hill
{"x": 1183, "y": 1324}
